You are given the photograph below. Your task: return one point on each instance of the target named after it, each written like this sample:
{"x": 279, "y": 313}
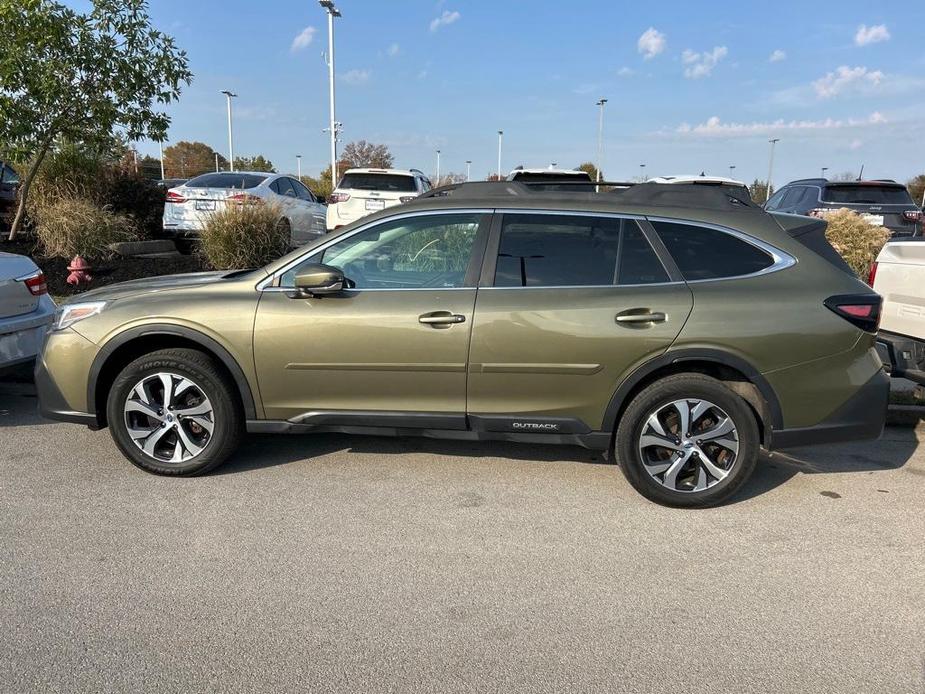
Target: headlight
{"x": 69, "y": 314}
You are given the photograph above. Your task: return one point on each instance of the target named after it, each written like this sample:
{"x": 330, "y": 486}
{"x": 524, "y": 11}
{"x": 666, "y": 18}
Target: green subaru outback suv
{"x": 681, "y": 328}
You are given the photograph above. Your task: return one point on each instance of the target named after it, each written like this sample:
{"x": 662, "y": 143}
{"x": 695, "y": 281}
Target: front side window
{"x": 427, "y": 252}
{"x": 573, "y": 251}
{"x": 703, "y": 253}
{"x": 302, "y": 191}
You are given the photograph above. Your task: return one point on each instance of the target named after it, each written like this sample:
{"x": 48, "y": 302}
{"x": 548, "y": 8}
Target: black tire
{"x": 658, "y": 398}
{"x": 285, "y": 229}
{"x": 208, "y": 380}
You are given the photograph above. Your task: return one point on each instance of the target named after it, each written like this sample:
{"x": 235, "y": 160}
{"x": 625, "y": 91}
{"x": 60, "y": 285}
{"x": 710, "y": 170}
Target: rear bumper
{"x": 21, "y": 337}
{"x": 903, "y": 356}
{"x": 861, "y": 417}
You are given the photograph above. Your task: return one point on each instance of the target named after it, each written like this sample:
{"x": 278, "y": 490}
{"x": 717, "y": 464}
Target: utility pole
{"x": 500, "y": 135}
{"x": 468, "y": 168}
{"x": 161, "y": 147}
{"x": 298, "y": 160}
{"x": 600, "y": 138}
{"x": 333, "y": 12}
{"x": 773, "y": 141}
{"x": 229, "y": 95}
{"x": 437, "y": 182}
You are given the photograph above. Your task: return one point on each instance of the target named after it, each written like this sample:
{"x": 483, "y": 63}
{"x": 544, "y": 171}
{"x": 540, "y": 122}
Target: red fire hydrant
{"x": 80, "y": 271}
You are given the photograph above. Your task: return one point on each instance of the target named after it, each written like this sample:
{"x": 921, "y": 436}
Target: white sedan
{"x": 26, "y": 310}
{"x": 188, "y": 206}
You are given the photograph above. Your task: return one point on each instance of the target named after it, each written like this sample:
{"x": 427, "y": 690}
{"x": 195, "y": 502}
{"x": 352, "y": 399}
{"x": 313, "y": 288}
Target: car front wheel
{"x": 687, "y": 440}
{"x": 173, "y": 412}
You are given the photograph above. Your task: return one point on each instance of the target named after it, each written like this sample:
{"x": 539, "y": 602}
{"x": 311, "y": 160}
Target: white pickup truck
{"x": 899, "y": 277}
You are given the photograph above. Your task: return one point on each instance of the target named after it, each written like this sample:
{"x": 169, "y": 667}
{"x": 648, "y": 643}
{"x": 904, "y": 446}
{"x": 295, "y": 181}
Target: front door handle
{"x": 441, "y": 319}
{"x": 639, "y": 316}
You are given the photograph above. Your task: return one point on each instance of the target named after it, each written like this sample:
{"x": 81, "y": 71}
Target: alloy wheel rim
{"x": 689, "y": 445}
{"x": 169, "y": 417}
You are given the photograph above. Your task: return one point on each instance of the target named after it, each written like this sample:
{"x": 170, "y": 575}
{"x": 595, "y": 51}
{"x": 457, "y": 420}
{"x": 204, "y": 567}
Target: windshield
{"x": 372, "y": 181}
{"x": 867, "y": 194}
{"x": 237, "y": 181}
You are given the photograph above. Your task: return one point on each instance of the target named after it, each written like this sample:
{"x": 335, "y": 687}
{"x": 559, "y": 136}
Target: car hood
{"x": 149, "y": 285}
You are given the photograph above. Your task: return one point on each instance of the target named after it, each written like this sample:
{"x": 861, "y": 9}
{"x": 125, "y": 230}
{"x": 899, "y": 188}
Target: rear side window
{"x": 283, "y": 186}
{"x": 867, "y": 194}
{"x": 702, "y": 253}
{"x": 574, "y": 251}
{"x": 226, "y": 180}
{"x": 372, "y": 181}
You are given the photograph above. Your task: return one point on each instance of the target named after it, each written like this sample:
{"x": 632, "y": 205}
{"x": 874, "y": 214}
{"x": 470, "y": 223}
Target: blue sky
{"x": 691, "y": 86}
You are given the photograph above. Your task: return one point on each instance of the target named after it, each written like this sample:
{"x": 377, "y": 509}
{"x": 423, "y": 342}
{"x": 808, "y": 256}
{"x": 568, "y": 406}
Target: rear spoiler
{"x": 810, "y": 231}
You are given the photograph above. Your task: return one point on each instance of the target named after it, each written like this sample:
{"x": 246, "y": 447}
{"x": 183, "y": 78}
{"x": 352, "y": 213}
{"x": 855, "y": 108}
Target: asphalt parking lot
{"x": 365, "y": 564}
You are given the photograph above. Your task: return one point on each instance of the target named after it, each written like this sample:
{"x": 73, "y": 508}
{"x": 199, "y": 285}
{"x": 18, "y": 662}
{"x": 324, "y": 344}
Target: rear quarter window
{"x": 704, "y": 253}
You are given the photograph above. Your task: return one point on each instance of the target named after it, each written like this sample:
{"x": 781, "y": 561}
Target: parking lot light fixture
{"x": 160, "y": 146}
{"x": 333, "y": 12}
{"x": 600, "y": 138}
{"x": 229, "y": 95}
{"x": 500, "y": 135}
{"x": 732, "y": 168}
{"x": 437, "y": 177}
{"x": 468, "y": 169}
{"x": 642, "y": 172}
{"x": 824, "y": 169}
{"x": 773, "y": 141}
{"x": 298, "y": 164}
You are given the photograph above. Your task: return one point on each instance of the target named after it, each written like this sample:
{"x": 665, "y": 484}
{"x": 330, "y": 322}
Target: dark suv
{"x": 679, "y": 326}
{"x": 885, "y": 202}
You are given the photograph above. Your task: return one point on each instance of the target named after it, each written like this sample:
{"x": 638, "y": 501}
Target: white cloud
{"x": 626, "y": 71}
{"x": 701, "y": 64}
{"x": 871, "y": 34}
{"x": 714, "y": 127}
{"x": 846, "y": 79}
{"x": 393, "y": 50}
{"x": 855, "y": 144}
{"x": 651, "y": 43}
{"x": 444, "y": 19}
{"x": 777, "y": 56}
{"x": 304, "y": 38}
{"x": 355, "y": 77}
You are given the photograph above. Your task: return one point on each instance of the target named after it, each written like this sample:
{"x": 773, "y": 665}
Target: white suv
{"x": 364, "y": 191}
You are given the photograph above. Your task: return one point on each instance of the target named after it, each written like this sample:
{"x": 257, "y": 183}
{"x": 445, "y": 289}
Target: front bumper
{"x": 903, "y": 356}
{"x": 61, "y": 378}
{"x": 861, "y": 417}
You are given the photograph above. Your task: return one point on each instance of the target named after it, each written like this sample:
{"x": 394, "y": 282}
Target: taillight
{"x": 245, "y": 199}
{"x": 335, "y": 198}
{"x": 407, "y": 198}
{"x": 861, "y": 310}
{"x": 912, "y": 216}
{"x": 175, "y": 197}
{"x": 872, "y": 275}
{"x": 35, "y": 283}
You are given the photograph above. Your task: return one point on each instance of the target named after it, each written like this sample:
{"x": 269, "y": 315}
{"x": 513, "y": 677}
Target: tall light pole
{"x": 437, "y": 182}
{"x": 824, "y": 169}
{"x": 229, "y": 95}
{"x": 298, "y": 164}
{"x": 216, "y": 162}
{"x": 135, "y": 159}
{"x": 773, "y": 141}
{"x": 160, "y": 146}
{"x": 642, "y": 172}
{"x": 732, "y": 168}
{"x": 500, "y": 135}
{"x": 468, "y": 168}
{"x": 600, "y": 138}
{"x": 333, "y": 12}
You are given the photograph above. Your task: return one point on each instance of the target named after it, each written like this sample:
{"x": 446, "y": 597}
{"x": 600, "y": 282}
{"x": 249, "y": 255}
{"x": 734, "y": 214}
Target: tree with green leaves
{"x": 68, "y": 76}
{"x": 759, "y": 191}
{"x": 258, "y": 163}
{"x": 188, "y": 159}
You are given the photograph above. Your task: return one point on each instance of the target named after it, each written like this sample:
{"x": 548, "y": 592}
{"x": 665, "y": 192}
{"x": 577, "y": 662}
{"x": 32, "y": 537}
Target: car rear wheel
{"x": 285, "y": 229}
{"x": 687, "y": 440}
{"x": 173, "y": 412}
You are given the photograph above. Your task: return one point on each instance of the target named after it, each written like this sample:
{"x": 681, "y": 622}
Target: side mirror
{"x": 319, "y": 280}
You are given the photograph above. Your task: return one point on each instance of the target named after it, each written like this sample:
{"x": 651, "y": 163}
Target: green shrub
{"x": 244, "y": 236}
{"x": 857, "y": 240}
{"x": 76, "y": 226}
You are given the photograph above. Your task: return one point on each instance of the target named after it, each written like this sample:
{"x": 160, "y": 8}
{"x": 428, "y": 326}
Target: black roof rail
{"x": 700, "y": 195}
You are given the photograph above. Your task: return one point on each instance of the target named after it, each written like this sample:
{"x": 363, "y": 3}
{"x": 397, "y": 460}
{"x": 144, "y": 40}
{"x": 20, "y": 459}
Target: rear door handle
{"x": 634, "y": 316}
{"x": 440, "y": 319}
